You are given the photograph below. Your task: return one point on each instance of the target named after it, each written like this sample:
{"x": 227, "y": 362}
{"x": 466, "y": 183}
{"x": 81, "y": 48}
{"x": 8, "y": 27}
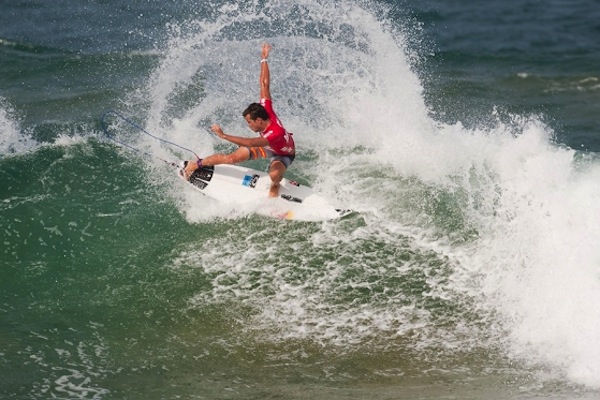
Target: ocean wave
{"x": 12, "y": 139}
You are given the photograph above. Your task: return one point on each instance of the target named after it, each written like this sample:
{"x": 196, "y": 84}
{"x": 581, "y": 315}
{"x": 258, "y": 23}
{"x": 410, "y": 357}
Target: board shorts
{"x": 265, "y": 152}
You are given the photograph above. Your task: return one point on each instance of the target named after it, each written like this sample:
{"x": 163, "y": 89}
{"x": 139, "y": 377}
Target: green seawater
{"x": 467, "y": 150}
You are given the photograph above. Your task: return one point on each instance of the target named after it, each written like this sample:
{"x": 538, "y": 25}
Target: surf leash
{"x": 113, "y": 138}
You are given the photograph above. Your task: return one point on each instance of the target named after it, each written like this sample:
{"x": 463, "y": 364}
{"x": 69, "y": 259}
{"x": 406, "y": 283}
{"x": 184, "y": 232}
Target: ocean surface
{"x": 465, "y": 135}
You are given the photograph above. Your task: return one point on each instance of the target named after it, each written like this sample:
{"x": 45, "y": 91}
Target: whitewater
{"x": 474, "y": 245}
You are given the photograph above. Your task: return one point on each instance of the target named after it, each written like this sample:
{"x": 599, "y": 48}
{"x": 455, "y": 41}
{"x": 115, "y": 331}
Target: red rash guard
{"x": 280, "y": 140}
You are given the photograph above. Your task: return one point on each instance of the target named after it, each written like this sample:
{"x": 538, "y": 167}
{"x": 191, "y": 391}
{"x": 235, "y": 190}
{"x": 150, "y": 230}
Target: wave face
{"x": 470, "y": 266}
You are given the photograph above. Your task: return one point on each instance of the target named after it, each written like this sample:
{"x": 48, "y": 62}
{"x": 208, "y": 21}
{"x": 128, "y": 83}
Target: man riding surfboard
{"x": 274, "y": 141}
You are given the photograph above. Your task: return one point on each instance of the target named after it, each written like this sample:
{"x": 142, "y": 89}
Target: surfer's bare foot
{"x": 274, "y": 190}
{"x": 189, "y": 168}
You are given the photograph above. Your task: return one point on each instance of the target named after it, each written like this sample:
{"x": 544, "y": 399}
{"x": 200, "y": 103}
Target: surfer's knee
{"x": 276, "y": 171}
{"x": 241, "y": 154}
{"x": 275, "y": 176}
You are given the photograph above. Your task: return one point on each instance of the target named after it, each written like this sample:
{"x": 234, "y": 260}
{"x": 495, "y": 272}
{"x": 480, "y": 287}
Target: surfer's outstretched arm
{"x": 265, "y": 75}
{"x": 240, "y": 141}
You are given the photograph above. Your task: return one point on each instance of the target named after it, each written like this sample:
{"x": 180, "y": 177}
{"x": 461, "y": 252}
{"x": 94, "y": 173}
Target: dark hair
{"x": 256, "y": 110}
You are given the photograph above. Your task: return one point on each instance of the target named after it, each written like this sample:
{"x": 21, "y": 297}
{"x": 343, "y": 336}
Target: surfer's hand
{"x": 266, "y": 47}
{"x": 218, "y": 131}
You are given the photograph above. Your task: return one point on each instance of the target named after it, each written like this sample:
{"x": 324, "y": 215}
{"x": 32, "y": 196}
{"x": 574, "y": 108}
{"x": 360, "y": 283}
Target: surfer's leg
{"x": 241, "y": 154}
{"x": 276, "y": 172}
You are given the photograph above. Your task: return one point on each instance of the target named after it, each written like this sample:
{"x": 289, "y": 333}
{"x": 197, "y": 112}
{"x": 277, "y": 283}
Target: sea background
{"x": 465, "y": 135}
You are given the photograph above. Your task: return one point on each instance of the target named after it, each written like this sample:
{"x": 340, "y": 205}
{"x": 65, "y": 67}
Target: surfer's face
{"x": 256, "y": 125}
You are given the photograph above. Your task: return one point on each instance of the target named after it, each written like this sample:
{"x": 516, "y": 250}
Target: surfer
{"x": 274, "y": 141}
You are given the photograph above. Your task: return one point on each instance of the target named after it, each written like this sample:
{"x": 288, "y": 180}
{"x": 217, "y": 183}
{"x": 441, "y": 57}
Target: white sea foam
{"x": 540, "y": 256}
{"x": 77, "y": 371}
{"x": 12, "y": 139}
{"x": 496, "y": 223}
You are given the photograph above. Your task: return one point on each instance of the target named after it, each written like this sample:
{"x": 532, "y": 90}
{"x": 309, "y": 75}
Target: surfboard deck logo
{"x": 250, "y": 180}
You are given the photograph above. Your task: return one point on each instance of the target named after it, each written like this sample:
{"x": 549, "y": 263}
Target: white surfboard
{"x": 235, "y": 184}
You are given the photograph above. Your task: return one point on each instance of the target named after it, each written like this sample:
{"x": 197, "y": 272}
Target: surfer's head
{"x": 257, "y": 117}
{"x": 256, "y": 110}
